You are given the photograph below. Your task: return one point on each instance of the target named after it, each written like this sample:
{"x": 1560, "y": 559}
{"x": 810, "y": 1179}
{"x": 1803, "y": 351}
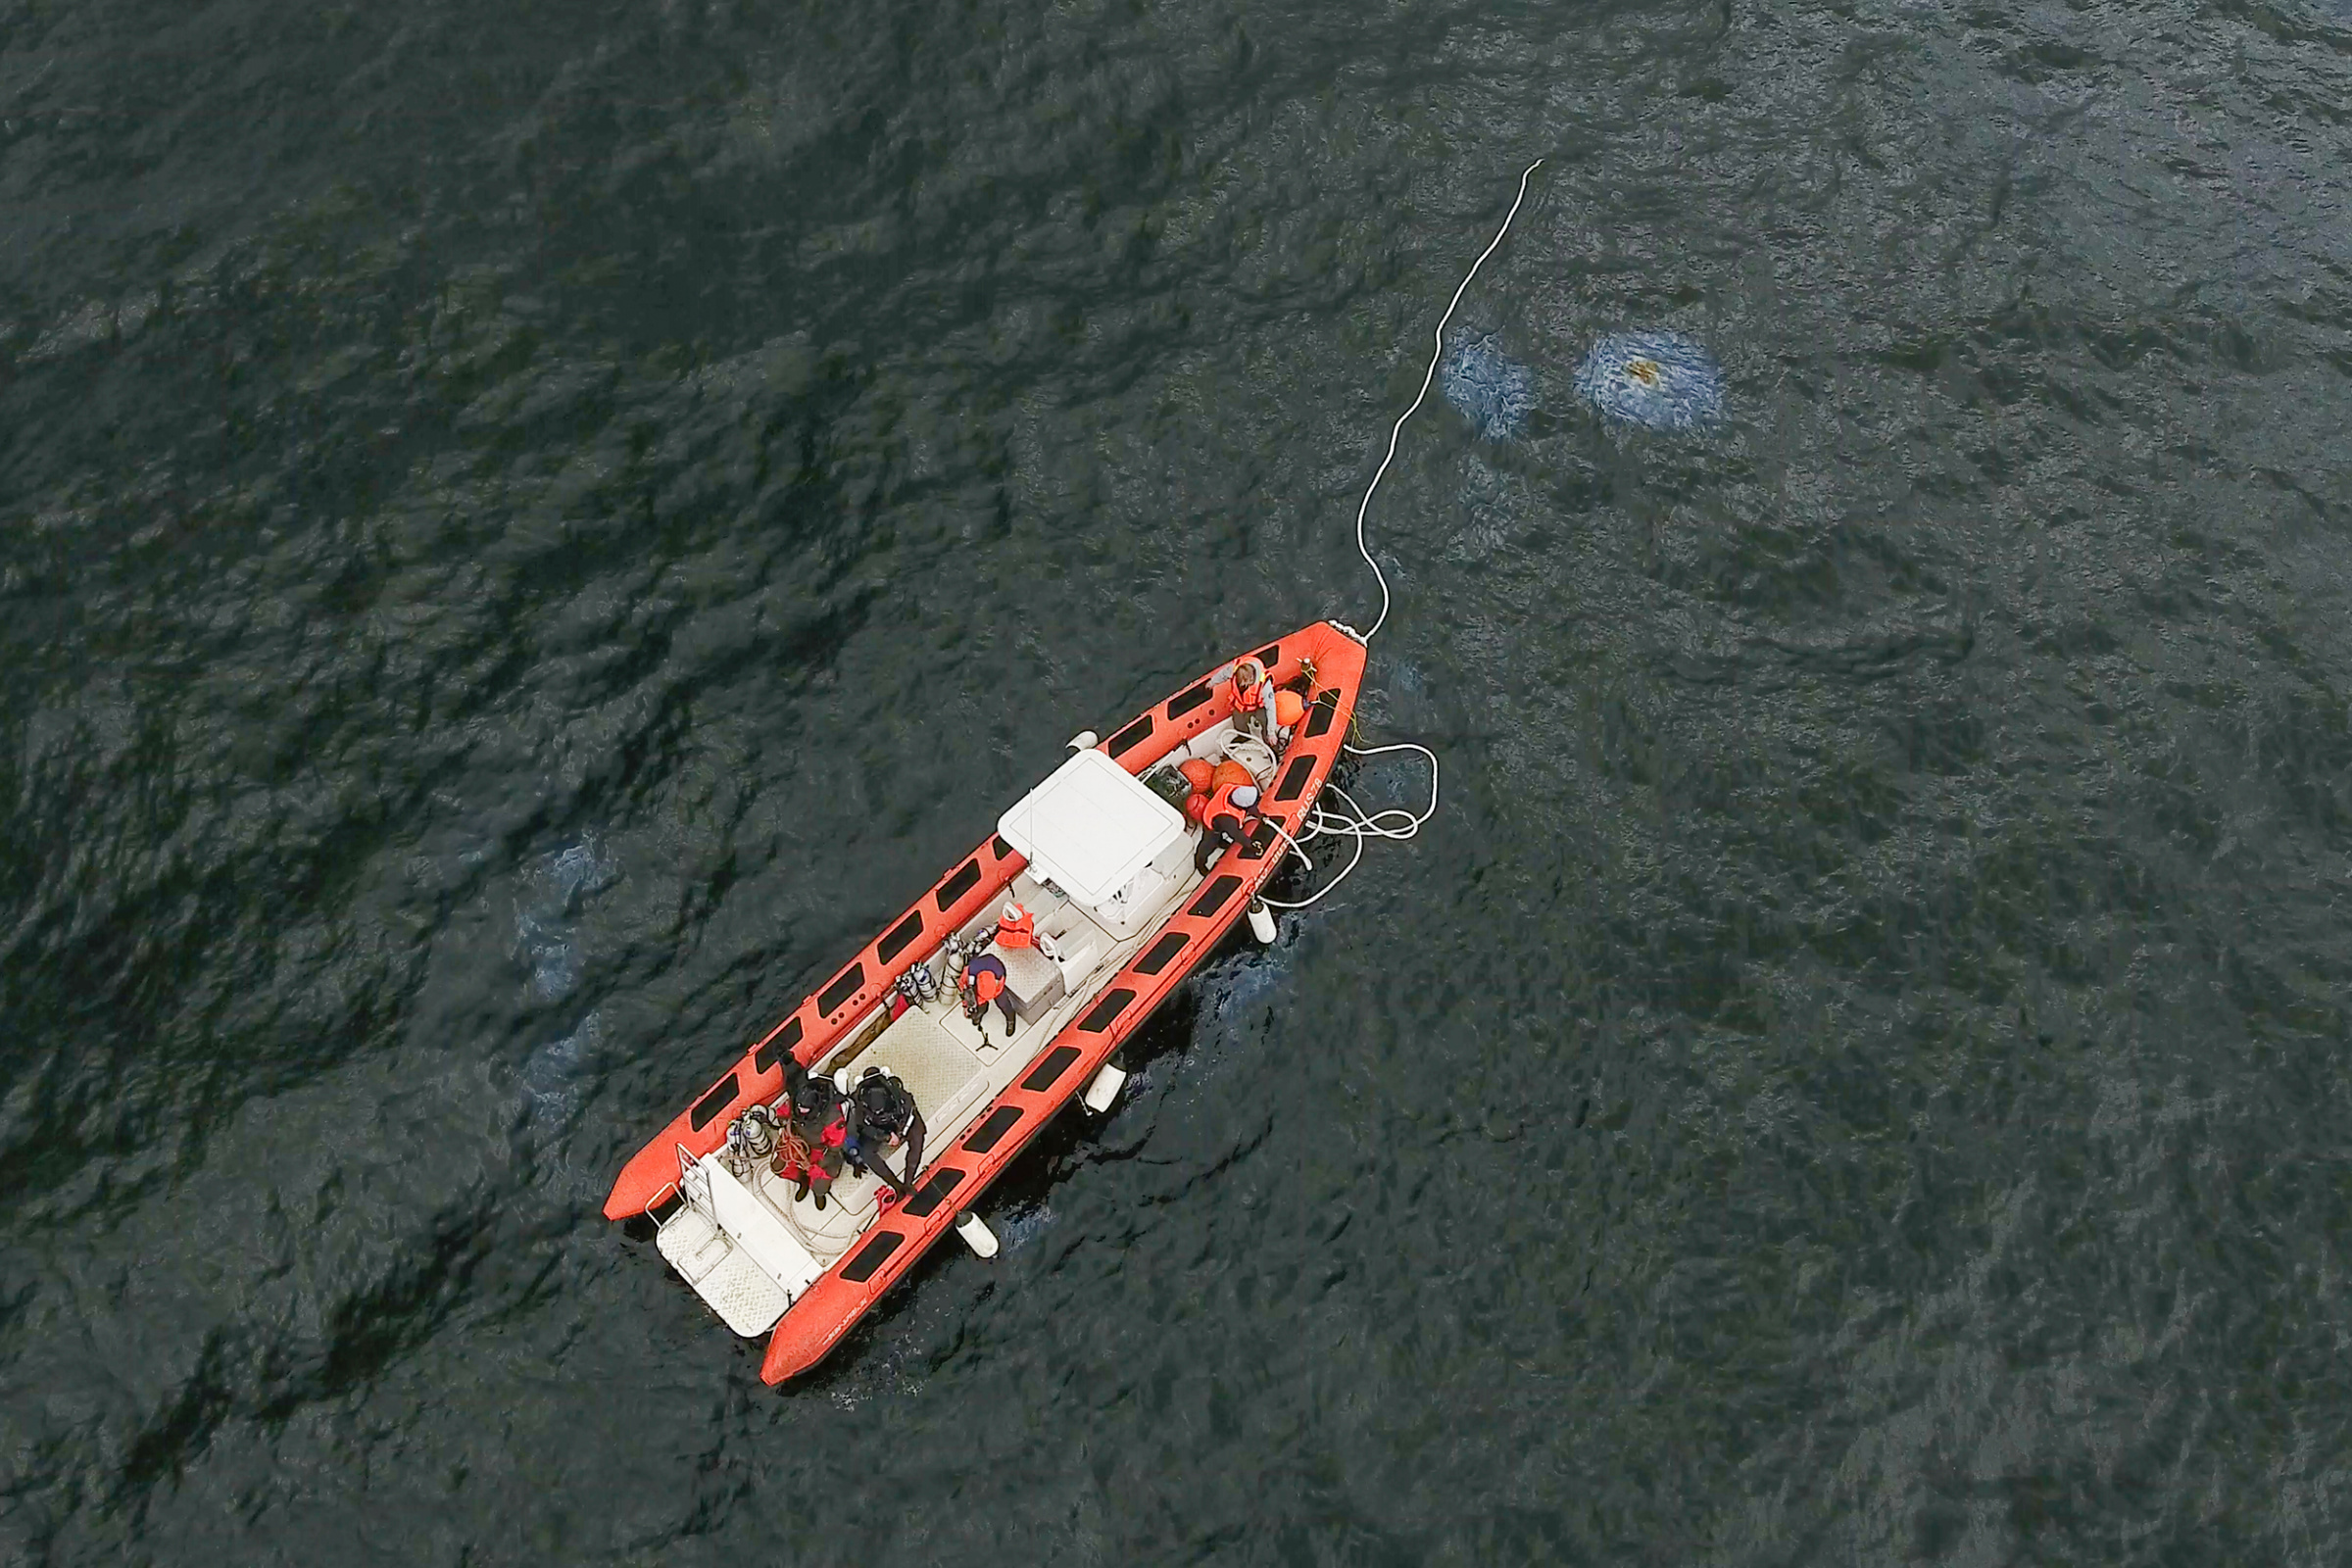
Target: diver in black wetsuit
{"x": 882, "y": 1112}
{"x": 816, "y": 1136}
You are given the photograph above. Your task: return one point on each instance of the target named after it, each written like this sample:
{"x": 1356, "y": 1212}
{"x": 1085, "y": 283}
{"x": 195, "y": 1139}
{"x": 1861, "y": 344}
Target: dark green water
{"x": 527, "y": 532}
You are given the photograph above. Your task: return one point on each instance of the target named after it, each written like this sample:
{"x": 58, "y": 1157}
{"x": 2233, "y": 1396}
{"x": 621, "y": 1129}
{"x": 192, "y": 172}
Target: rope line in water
{"x": 1393, "y": 823}
{"x": 1428, "y": 376}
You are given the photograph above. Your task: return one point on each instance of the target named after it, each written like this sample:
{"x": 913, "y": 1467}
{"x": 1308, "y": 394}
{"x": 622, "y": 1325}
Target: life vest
{"x": 1223, "y": 815}
{"x": 1018, "y": 932}
{"x": 1249, "y": 686}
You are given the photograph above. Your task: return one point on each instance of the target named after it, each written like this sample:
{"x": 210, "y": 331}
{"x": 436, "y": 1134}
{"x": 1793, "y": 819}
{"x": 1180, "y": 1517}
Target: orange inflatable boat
{"x": 1113, "y": 876}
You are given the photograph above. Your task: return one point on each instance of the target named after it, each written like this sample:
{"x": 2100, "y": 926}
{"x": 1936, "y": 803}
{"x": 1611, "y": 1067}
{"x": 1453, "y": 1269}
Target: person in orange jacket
{"x": 983, "y": 982}
{"x": 1227, "y": 818}
{"x": 1253, "y": 699}
{"x": 1260, "y": 709}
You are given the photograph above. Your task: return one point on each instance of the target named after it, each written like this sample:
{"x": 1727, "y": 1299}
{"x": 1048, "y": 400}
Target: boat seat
{"x": 1080, "y": 945}
{"x": 1031, "y": 979}
{"x": 849, "y": 1207}
{"x": 1034, "y": 896}
{"x": 940, "y": 1070}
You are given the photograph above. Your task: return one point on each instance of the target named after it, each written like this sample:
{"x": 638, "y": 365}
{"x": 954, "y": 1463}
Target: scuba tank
{"x": 751, "y": 1138}
{"x": 918, "y": 985}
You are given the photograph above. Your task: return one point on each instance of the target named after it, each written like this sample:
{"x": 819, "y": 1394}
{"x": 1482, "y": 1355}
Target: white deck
{"x": 748, "y": 1248}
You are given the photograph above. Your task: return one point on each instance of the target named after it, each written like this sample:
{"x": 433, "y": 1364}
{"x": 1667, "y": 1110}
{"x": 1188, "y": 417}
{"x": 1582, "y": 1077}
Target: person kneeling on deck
{"x": 983, "y": 982}
{"x": 882, "y": 1115}
{"x": 811, "y": 1147}
{"x": 1231, "y": 813}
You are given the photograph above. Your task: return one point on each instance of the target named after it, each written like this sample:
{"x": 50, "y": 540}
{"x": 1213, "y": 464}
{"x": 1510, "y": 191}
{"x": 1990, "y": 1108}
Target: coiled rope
{"x": 1395, "y": 823}
{"x": 1355, "y": 823}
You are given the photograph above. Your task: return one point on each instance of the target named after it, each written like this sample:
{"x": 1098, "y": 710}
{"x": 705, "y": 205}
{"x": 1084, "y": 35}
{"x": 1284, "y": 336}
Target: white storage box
{"x": 1095, "y": 831}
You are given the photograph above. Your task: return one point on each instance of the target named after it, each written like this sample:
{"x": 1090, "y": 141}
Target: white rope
{"x": 1356, "y": 824}
{"x": 1393, "y": 823}
{"x": 1427, "y": 378}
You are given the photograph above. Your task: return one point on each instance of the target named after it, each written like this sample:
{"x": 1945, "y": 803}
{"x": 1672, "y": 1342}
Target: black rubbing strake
{"x": 1181, "y": 705}
{"x": 901, "y": 936}
{"x": 956, "y": 886}
{"x": 714, "y": 1105}
{"x": 831, "y": 999}
{"x": 1212, "y": 897}
{"x": 1319, "y": 718}
{"x": 934, "y": 1192}
{"x": 1169, "y": 945}
{"x": 1003, "y": 849}
{"x": 1047, "y": 1073}
{"x": 786, "y": 1038}
{"x": 1294, "y": 778}
{"x": 1132, "y": 736}
{"x": 872, "y": 1255}
{"x": 983, "y": 1137}
{"x": 1097, "y": 1017}
{"x": 1271, "y": 655}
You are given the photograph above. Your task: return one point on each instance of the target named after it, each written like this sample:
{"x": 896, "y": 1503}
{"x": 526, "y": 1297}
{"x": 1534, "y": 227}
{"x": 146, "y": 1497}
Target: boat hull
{"x": 1061, "y": 1065}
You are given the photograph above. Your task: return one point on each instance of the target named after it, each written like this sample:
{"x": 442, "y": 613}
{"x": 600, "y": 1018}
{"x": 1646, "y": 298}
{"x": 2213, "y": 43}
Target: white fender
{"x": 1102, "y": 1089}
{"x": 1261, "y": 922}
{"x": 1086, "y": 740}
{"x": 976, "y": 1235}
